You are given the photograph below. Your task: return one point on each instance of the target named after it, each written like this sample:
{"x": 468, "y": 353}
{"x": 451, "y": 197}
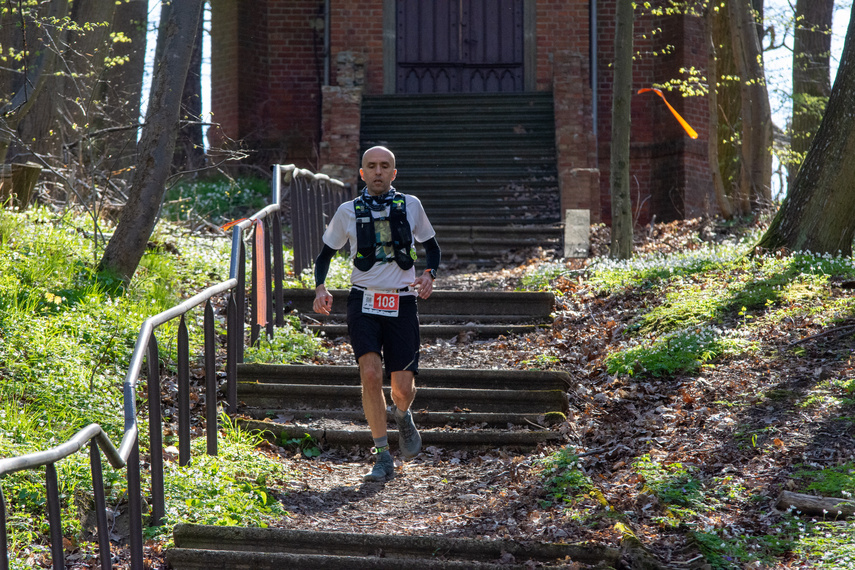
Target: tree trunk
{"x": 35, "y": 81}
{"x": 63, "y": 112}
{"x": 811, "y": 75}
{"x": 724, "y": 205}
{"x": 157, "y": 145}
{"x": 809, "y": 505}
{"x": 621, "y": 246}
{"x": 123, "y": 86}
{"x": 756, "y": 177}
{"x": 189, "y": 149}
{"x": 818, "y": 213}
{"x": 728, "y": 102}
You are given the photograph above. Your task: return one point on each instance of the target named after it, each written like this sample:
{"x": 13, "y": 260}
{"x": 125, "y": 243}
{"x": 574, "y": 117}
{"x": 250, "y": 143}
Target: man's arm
{"x": 432, "y": 253}
{"x": 424, "y": 282}
{"x": 323, "y": 299}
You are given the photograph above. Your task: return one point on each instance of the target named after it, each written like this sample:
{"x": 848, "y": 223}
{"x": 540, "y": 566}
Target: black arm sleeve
{"x": 432, "y": 253}
{"x": 322, "y": 264}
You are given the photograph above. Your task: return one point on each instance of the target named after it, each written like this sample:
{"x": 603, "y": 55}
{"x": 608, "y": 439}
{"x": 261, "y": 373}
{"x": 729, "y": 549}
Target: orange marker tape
{"x": 691, "y": 132}
{"x": 226, "y": 227}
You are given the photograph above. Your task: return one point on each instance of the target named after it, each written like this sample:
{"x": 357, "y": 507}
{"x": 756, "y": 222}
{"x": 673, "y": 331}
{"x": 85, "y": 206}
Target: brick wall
{"x": 669, "y": 172}
{"x": 357, "y": 26}
{"x": 225, "y": 102}
{"x": 578, "y": 176}
{"x": 562, "y": 26}
{"x": 267, "y": 74}
{"x": 266, "y": 77}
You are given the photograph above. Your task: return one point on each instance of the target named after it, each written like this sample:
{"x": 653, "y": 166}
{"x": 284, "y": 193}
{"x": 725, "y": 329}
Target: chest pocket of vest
{"x": 395, "y": 239}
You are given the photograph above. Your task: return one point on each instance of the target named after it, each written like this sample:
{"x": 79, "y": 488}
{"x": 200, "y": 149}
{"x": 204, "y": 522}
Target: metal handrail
{"x": 127, "y": 454}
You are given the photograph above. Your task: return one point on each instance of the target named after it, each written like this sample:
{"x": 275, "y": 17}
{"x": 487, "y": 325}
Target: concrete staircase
{"x": 446, "y": 314}
{"x": 483, "y": 165}
{"x": 454, "y": 409}
{"x": 200, "y": 547}
{"x": 324, "y": 401}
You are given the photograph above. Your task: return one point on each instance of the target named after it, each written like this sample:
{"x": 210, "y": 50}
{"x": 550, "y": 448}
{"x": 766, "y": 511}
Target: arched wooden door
{"x": 459, "y": 46}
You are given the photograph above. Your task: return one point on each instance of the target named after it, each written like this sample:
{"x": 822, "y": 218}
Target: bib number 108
{"x": 376, "y": 303}
{"x": 386, "y": 302}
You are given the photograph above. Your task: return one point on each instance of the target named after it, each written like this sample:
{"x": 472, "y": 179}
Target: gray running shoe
{"x": 383, "y": 468}
{"x": 409, "y": 439}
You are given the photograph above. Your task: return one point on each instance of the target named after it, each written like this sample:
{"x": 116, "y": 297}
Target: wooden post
{"x": 17, "y": 182}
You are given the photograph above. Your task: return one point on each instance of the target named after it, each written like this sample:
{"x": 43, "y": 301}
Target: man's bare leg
{"x": 403, "y": 393}
{"x": 374, "y": 405}
{"x": 403, "y": 389}
{"x": 373, "y": 400}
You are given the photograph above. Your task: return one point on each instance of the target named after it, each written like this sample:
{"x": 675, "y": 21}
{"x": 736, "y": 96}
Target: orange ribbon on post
{"x": 260, "y": 275}
{"x": 689, "y": 130}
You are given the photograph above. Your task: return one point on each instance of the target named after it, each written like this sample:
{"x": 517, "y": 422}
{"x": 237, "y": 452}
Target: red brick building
{"x": 288, "y": 78}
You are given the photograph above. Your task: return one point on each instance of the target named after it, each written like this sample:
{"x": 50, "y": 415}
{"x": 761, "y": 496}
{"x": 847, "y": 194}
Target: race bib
{"x": 379, "y": 303}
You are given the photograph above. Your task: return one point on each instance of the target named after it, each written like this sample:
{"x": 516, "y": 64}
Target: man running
{"x": 382, "y": 313}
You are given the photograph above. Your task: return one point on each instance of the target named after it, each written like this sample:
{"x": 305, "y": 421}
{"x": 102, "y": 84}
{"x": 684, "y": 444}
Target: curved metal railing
{"x": 267, "y": 269}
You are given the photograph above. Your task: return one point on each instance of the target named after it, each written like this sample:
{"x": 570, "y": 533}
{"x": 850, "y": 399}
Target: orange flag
{"x": 260, "y": 275}
{"x": 691, "y": 132}
{"x": 228, "y": 225}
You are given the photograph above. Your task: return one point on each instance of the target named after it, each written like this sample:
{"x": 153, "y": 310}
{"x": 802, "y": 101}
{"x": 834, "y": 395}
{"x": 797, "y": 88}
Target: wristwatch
{"x": 432, "y": 273}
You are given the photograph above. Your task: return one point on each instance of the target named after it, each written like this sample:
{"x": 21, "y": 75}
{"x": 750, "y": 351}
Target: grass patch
{"x": 228, "y": 490}
{"x": 290, "y": 343}
{"x": 837, "y": 481}
{"x": 675, "y": 485}
{"x": 723, "y": 551}
{"x": 682, "y": 351}
{"x": 713, "y": 299}
{"x": 540, "y": 276}
{"x": 563, "y": 479}
{"x": 541, "y": 362}
{"x": 65, "y": 345}
{"x": 218, "y": 200}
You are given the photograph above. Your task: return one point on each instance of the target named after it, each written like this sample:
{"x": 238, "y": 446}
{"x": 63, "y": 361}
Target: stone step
{"x": 299, "y": 396}
{"x": 436, "y": 181}
{"x": 549, "y": 239}
{"x": 430, "y": 377}
{"x": 306, "y": 417}
{"x": 492, "y": 210}
{"x": 285, "y": 401}
{"x": 492, "y": 219}
{"x": 350, "y": 435}
{"x": 199, "y": 547}
{"x": 465, "y": 304}
{"x": 435, "y": 331}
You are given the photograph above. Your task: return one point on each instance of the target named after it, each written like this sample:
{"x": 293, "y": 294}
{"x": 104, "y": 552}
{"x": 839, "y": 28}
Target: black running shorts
{"x": 395, "y": 339}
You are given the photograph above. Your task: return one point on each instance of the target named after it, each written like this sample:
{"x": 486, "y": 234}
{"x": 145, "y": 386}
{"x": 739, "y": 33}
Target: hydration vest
{"x": 367, "y": 240}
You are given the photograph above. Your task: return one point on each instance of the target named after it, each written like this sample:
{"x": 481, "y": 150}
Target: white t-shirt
{"x": 385, "y": 273}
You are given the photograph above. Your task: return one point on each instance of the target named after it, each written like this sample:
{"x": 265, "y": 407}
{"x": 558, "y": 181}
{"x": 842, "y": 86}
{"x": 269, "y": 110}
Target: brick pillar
{"x": 225, "y": 71}
{"x": 342, "y": 106}
{"x": 578, "y": 175}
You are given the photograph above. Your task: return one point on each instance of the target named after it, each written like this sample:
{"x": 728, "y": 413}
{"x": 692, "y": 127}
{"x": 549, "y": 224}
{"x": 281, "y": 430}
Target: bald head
{"x": 378, "y": 169}
{"x": 379, "y": 152}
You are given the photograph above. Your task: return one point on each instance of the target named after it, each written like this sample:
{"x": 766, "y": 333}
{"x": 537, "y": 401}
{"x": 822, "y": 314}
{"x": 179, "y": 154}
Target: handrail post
{"x": 231, "y": 352}
{"x": 100, "y": 505}
{"x": 278, "y": 269}
{"x": 268, "y": 282}
{"x": 240, "y": 300}
{"x": 54, "y": 517}
{"x": 253, "y": 293}
{"x": 135, "y": 508}
{"x": 210, "y": 380}
{"x": 183, "y": 346}
{"x": 297, "y": 206}
{"x": 155, "y": 433}
{"x": 4, "y": 538}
